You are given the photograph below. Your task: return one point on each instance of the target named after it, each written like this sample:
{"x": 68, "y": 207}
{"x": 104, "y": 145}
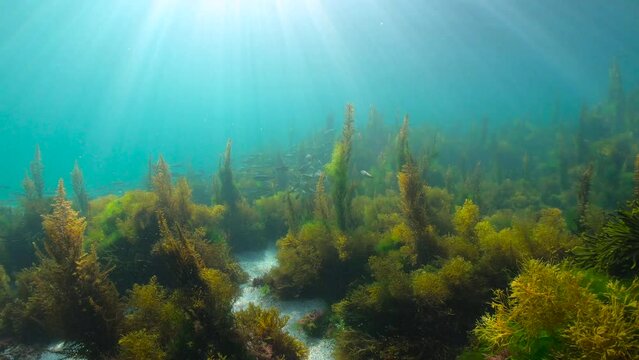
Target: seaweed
{"x": 583, "y": 197}
{"x": 36, "y": 190}
{"x": 68, "y": 289}
{"x": 413, "y": 200}
{"x": 237, "y": 212}
{"x": 615, "y": 249}
{"x": 549, "y": 313}
{"x": 403, "y": 152}
{"x": 163, "y": 186}
{"x": 338, "y": 168}
{"x": 79, "y": 189}
{"x": 263, "y": 332}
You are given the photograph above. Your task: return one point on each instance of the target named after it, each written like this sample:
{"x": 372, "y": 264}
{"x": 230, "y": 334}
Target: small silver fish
{"x": 366, "y": 173}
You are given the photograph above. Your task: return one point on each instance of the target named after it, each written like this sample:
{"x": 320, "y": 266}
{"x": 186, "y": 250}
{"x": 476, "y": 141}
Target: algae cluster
{"x": 519, "y": 242}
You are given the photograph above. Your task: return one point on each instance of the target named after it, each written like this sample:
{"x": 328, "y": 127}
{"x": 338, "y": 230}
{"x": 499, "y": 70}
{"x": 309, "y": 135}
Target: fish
{"x": 366, "y": 173}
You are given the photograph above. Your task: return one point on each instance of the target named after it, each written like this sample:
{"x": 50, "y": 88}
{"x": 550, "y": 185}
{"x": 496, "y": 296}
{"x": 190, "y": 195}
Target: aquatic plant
{"x": 430, "y": 288}
{"x": 262, "y": 330}
{"x": 607, "y": 328}
{"x": 615, "y": 249}
{"x": 403, "y": 152}
{"x": 124, "y": 230}
{"x": 79, "y": 189}
{"x": 473, "y": 184}
{"x": 413, "y": 200}
{"x": 140, "y": 345}
{"x": 182, "y": 205}
{"x": 152, "y": 323}
{"x": 550, "y": 238}
{"x": 337, "y": 170}
{"x": 439, "y": 209}
{"x": 279, "y": 213}
{"x": 73, "y": 296}
{"x": 37, "y": 175}
{"x": 240, "y": 222}
{"x": 163, "y": 186}
{"x": 550, "y": 312}
{"x": 301, "y": 260}
{"x": 378, "y": 214}
{"x": 26, "y": 226}
{"x": 404, "y": 314}
{"x": 583, "y": 199}
{"x": 6, "y": 295}
{"x": 314, "y": 323}
{"x": 322, "y": 209}
{"x": 198, "y": 306}
{"x": 150, "y": 172}
{"x": 228, "y": 194}
{"x": 64, "y": 229}
{"x": 465, "y": 219}
{"x": 293, "y": 215}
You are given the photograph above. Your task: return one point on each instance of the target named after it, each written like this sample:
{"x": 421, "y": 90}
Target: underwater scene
{"x": 319, "y": 179}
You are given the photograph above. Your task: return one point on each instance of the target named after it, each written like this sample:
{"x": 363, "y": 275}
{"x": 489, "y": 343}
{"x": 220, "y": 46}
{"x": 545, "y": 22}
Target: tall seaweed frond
{"x": 583, "y": 199}
{"x": 614, "y": 249}
{"x": 322, "y": 210}
{"x": 37, "y": 173}
{"x": 77, "y": 299}
{"x": 338, "y": 169}
{"x": 413, "y": 200}
{"x": 162, "y": 184}
{"x": 79, "y": 189}
{"x": 64, "y": 229}
{"x": 229, "y": 195}
{"x": 403, "y": 152}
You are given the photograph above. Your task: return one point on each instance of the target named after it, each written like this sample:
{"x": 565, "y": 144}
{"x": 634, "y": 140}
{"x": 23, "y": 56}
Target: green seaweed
{"x": 79, "y": 189}
{"x": 338, "y": 168}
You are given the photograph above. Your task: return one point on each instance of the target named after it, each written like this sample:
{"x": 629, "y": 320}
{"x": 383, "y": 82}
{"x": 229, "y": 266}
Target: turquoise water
{"x": 385, "y": 239}
{"x": 110, "y": 83}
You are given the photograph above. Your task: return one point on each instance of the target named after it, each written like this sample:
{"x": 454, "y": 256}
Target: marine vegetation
{"x": 67, "y": 294}
{"x": 197, "y": 309}
{"x": 80, "y": 190}
{"x": 338, "y": 170}
{"x": 262, "y": 331}
{"x": 26, "y": 225}
{"x": 493, "y": 240}
{"x": 240, "y": 221}
{"x": 557, "y": 312}
{"x": 615, "y": 248}
{"x": 185, "y": 311}
{"x": 321, "y": 256}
